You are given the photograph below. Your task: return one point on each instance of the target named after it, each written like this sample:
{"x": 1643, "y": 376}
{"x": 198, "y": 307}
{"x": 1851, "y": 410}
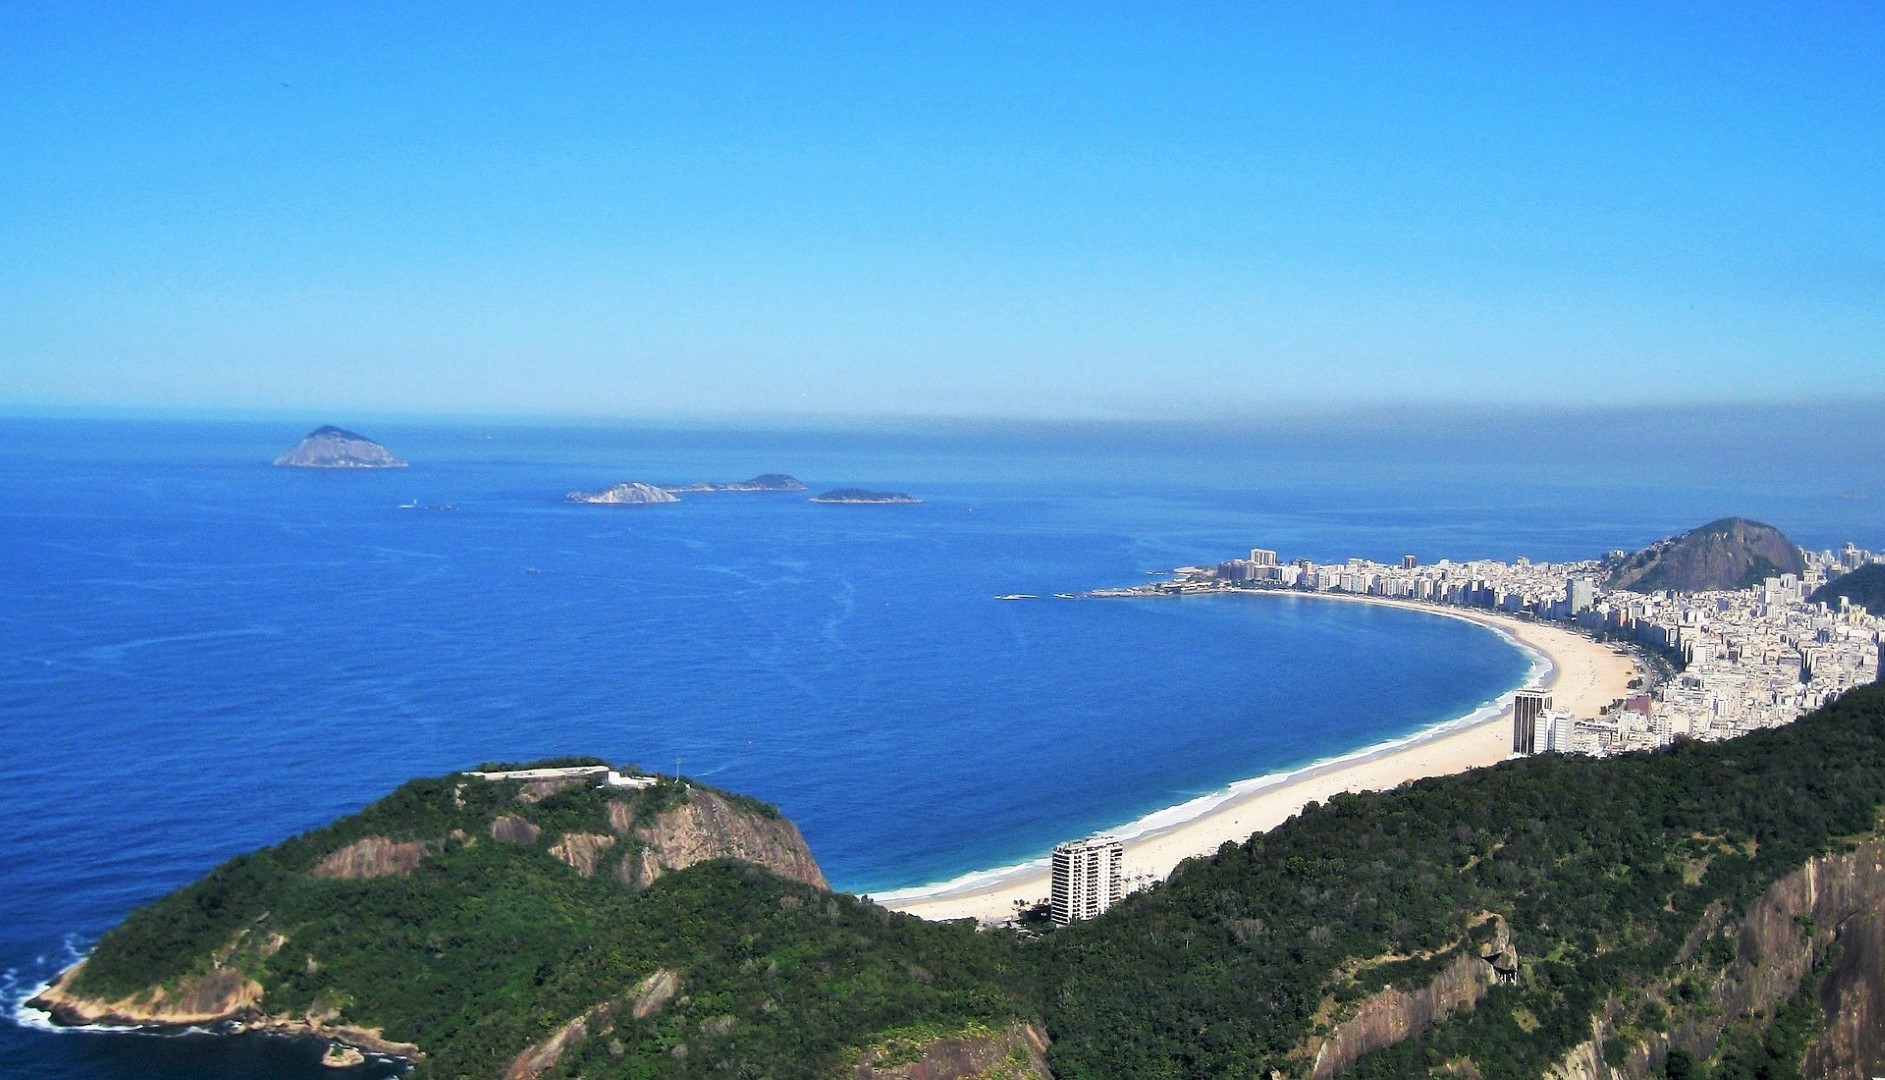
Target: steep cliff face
{"x": 371, "y": 857}
{"x": 1394, "y": 1014}
{"x": 708, "y": 826}
{"x": 1017, "y": 1053}
{"x": 1833, "y": 901}
{"x": 647, "y": 998}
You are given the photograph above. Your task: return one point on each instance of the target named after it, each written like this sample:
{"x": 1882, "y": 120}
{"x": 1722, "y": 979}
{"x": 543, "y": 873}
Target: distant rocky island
{"x": 624, "y": 495}
{"x": 764, "y": 482}
{"x": 329, "y": 447}
{"x": 861, "y": 497}
{"x": 639, "y": 494}
{"x": 1732, "y": 553}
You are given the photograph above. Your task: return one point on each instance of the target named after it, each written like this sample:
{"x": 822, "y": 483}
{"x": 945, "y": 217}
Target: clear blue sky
{"x": 1057, "y": 210}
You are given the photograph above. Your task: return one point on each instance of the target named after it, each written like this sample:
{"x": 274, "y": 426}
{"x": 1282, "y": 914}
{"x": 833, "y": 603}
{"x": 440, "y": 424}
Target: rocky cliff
{"x": 1832, "y": 906}
{"x": 1732, "y": 553}
{"x": 330, "y": 447}
{"x": 1394, "y": 1014}
{"x": 710, "y": 826}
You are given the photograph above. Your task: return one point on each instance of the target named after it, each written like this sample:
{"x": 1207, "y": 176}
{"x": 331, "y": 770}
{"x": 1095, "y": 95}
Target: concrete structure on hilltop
{"x": 1087, "y": 877}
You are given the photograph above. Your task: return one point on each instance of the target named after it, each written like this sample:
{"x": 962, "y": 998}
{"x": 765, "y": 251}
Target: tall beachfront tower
{"x": 1528, "y": 708}
{"x": 1087, "y": 878}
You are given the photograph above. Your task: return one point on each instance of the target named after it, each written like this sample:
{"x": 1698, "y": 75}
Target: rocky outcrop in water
{"x": 763, "y": 482}
{"x": 624, "y": 495}
{"x": 861, "y": 497}
{"x": 330, "y": 447}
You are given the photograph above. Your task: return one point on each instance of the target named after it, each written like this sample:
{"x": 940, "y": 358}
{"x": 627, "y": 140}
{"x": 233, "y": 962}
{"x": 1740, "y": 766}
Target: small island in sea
{"x": 631, "y": 494}
{"x": 861, "y": 497}
{"x": 763, "y": 482}
{"x": 330, "y": 447}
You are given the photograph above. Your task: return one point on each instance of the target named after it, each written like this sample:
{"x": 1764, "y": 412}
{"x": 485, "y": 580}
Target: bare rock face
{"x": 1018, "y": 1053}
{"x": 224, "y": 994}
{"x": 514, "y": 830}
{"x": 582, "y": 851}
{"x": 624, "y": 495}
{"x": 1392, "y": 1014}
{"x": 707, "y": 826}
{"x": 371, "y": 857}
{"x": 538, "y": 790}
{"x": 330, "y": 447}
{"x": 1833, "y": 899}
{"x": 646, "y": 999}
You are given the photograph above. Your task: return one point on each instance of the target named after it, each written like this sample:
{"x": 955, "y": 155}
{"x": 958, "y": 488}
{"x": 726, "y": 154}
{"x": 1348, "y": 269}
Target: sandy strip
{"x": 1585, "y": 676}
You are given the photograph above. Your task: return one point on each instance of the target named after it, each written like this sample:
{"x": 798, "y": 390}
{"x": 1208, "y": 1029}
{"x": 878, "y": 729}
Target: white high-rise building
{"x": 1087, "y": 878}
{"x": 1528, "y": 708}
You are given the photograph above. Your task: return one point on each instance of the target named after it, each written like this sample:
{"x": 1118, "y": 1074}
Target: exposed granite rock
{"x": 648, "y": 998}
{"x": 624, "y": 495}
{"x": 371, "y": 857}
{"x": 538, "y": 790}
{"x": 582, "y": 851}
{"x": 707, "y": 826}
{"x": 1834, "y": 899}
{"x": 330, "y": 447}
{"x": 1391, "y": 1015}
{"x": 1017, "y": 1053}
{"x": 514, "y": 830}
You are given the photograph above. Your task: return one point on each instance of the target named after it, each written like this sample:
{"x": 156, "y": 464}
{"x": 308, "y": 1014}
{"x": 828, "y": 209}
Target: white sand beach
{"x": 1584, "y": 676}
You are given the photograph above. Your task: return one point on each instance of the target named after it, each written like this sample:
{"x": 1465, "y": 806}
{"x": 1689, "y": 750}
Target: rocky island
{"x": 861, "y": 497}
{"x": 625, "y": 495}
{"x": 763, "y": 482}
{"x": 329, "y": 447}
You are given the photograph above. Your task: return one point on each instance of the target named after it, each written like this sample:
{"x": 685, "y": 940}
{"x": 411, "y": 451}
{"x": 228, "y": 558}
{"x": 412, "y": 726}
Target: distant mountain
{"x": 329, "y": 447}
{"x": 861, "y": 497}
{"x": 624, "y": 495}
{"x": 771, "y": 481}
{"x": 1732, "y": 553}
{"x": 1864, "y": 586}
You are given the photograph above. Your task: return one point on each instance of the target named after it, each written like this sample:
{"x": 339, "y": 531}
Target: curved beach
{"x": 1583, "y": 675}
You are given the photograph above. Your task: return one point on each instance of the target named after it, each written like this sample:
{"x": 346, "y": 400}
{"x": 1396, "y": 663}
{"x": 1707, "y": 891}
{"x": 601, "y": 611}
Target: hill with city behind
{"x": 1864, "y": 587}
{"x": 1732, "y": 553}
{"x": 1706, "y": 910}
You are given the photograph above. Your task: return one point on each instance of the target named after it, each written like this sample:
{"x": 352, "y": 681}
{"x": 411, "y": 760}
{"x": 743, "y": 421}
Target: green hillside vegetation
{"x": 1601, "y": 868}
{"x": 486, "y": 947}
{"x": 1864, "y": 586}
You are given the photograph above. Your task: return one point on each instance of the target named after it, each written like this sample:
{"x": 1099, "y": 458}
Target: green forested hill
{"x": 1620, "y": 881}
{"x": 1864, "y": 586}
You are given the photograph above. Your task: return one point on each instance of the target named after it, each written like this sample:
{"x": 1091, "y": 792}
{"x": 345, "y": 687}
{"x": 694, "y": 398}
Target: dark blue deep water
{"x": 201, "y": 654}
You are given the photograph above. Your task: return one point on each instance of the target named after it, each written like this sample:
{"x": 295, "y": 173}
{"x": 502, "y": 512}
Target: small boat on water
{"x": 1018, "y": 596}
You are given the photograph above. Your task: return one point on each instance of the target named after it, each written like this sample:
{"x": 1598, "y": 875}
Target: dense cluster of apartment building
{"x": 1739, "y": 660}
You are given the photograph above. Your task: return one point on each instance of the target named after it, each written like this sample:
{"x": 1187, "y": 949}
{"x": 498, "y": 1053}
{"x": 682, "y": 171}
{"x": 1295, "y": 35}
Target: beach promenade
{"x": 1584, "y": 676}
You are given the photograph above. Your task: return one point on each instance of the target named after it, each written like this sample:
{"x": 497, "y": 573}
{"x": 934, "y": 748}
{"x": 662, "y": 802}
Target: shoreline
{"x": 1582, "y": 673}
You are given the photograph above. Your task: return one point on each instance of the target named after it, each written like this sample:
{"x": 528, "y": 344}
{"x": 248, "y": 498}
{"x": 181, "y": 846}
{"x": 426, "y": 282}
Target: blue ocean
{"x": 201, "y": 654}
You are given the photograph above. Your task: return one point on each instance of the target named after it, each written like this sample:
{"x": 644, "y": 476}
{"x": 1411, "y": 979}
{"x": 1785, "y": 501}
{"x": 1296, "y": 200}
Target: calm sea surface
{"x": 201, "y": 654}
